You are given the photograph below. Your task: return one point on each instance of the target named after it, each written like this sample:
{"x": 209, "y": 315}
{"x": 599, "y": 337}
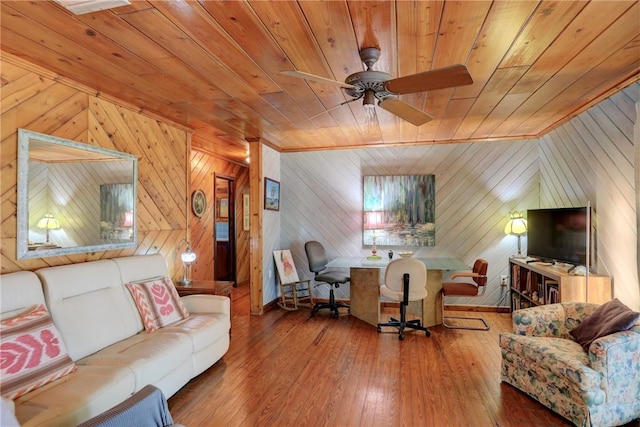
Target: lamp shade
{"x": 373, "y": 220}
{"x": 127, "y": 220}
{"x": 48, "y": 222}
{"x": 517, "y": 225}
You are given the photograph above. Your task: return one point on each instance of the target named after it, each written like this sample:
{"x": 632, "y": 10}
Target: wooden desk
{"x": 210, "y": 287}
{"x": 366, "y": 278}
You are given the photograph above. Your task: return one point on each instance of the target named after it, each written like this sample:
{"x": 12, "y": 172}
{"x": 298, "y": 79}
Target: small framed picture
{"x": 271, "y": 194}
{"x": 245, "y": 212}
{"x": 198, "y": 203}
{"x": 223, "y": 208}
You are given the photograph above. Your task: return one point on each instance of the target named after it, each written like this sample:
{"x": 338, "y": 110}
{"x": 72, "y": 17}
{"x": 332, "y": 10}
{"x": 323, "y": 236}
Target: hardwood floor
{"x": 285, "y": 368}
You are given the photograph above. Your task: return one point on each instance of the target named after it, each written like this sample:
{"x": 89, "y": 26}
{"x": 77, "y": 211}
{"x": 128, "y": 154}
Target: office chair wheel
{"x": 335, "y": 314}
{"x": 401, "y": 337}
{"x": 379, "y": 329}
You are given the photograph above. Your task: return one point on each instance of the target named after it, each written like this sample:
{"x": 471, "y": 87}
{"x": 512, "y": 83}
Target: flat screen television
{"x": 559, "y": 234}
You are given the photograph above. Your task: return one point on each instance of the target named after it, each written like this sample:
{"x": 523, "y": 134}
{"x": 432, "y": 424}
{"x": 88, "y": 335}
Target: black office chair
{"x": 405, "y": 280}
{"x": 318, "y": 261}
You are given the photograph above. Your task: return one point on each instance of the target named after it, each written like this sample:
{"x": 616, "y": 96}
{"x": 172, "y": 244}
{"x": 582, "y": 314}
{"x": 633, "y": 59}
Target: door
{"x": 224, "y": 251}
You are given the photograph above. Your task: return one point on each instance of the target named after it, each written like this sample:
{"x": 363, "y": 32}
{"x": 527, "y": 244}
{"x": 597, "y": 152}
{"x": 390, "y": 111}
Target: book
{"x": 553, "y": 296}
{"x": 515, "y": 302}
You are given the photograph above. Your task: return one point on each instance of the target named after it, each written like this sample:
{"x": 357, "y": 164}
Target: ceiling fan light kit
{"x": 369, "y": 98}
{"x": 371, "y": 85}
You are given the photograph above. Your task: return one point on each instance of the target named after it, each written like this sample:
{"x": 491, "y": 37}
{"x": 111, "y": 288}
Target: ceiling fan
{"x": 370, "y": 85}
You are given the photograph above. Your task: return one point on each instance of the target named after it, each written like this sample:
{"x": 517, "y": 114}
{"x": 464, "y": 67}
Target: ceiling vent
{"x": 79, "y": 7}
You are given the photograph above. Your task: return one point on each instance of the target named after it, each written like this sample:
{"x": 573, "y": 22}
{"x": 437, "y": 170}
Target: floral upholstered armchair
{"x": 598, "y": 387}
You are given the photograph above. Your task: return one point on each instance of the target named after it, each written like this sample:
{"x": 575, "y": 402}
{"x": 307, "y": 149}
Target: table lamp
{"x": 127, "y": 220}
{"x": 48, "y": 222}
{"x": 187, "y": 257}
{"x": 517, "y": 226}
{"x": 373, "y": 221}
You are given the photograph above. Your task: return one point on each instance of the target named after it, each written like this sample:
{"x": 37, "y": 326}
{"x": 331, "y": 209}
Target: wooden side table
{"x": 209, "y": 287}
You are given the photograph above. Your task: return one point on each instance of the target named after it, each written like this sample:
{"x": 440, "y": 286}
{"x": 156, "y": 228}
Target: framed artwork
{"x": 404, "y": 206}
{"x": 245, "y": 212}
{"x": 271, "y": 194}
{"x": 223, "y": 208}
{"x": 198, "y": 203}
{"x": 116, "y": 212}
{"x": 286, "y": 268}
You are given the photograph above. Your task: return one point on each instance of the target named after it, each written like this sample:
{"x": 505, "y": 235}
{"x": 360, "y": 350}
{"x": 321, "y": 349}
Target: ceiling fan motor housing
{"x": 368, "y": 80}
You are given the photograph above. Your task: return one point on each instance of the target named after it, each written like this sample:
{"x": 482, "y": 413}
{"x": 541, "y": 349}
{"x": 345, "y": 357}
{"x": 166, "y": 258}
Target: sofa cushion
{"x": 19, "y": 292}
{"x": 88, "y": 297}
{"x": 158, "y": 302}
{"x": 76, "y": 397}
{"x": 150, "y": 356}
{"x": 561, "y": 357}
{"x": 612, "y": 316}
{"x": 137, "y": 268}
{"x": 32, "y": 353}
{"x": 203, "y": 329}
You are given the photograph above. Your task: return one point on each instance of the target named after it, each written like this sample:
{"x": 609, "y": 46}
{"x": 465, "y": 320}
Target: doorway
{"x": 224, "y": 251}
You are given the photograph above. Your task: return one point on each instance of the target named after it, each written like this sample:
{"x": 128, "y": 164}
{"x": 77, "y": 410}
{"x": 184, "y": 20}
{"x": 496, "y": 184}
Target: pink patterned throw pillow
{"x": 32, "y": 353}
{"x": 158, "y": 302}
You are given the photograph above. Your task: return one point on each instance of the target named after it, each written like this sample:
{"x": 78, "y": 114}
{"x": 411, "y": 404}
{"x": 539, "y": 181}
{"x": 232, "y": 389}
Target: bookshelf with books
{"x": 537, "y": 283}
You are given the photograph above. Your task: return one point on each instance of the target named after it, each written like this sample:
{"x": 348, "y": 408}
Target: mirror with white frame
{"x": 73, "y": 197}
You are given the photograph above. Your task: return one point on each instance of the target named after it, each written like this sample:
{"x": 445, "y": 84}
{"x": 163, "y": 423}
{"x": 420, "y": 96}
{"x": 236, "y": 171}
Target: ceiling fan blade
{"x": 307, "y": 76}
{"x": 442, "y": 78}
{"x": 405, "y": 111}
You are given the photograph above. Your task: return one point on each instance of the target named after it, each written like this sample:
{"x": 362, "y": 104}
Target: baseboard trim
{"x": 271, "y": 305}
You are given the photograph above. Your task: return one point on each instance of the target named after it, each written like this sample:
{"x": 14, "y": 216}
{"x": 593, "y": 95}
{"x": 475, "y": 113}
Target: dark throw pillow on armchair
{"x": 612, "y": 316}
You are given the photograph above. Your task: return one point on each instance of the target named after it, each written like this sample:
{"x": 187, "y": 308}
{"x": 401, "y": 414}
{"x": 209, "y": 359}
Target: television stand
{"x": 535, "y": 284}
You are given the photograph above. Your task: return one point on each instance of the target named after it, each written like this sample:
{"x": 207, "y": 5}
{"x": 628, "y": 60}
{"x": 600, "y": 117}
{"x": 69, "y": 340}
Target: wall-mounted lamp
{"x": 517, "y": 226}
{"x": 373, "y": 221}
{"x": 48, "y": 222}
{"x": 187, "y": 257}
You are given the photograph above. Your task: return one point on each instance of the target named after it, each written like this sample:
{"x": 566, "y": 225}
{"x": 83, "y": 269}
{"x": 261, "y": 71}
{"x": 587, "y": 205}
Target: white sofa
{"x": 105, "y": 337}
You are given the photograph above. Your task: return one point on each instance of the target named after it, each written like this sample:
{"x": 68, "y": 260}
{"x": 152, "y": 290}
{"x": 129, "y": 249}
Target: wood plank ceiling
{"x": 214, "y": 66}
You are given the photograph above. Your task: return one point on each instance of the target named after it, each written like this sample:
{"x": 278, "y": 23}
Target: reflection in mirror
{"x": 73, "y": 197}
{"x": 116, "y": 212}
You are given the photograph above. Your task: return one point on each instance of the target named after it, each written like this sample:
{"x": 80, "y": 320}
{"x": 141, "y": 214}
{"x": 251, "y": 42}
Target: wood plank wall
{"x": 36, "y": 99}
{"x": 204, "y": 166}
{"x": 591, "y": 158}
{"x": 271, "y": 224}
{"x": 477, "y": 185}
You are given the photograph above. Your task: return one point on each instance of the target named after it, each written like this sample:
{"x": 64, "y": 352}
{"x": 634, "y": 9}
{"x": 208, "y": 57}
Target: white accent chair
{"x": 405, "y": 280}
